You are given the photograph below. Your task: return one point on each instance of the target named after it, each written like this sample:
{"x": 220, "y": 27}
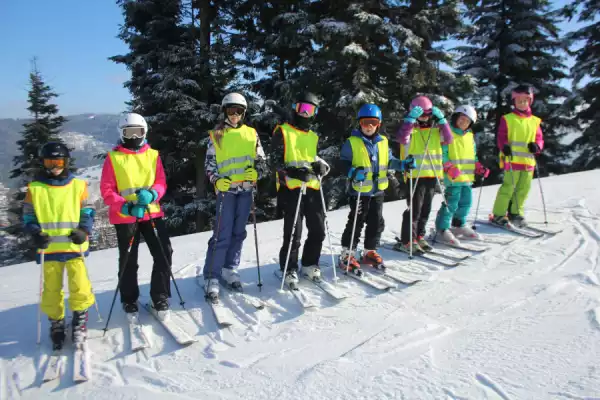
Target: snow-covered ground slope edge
{"x": 516, "y": 322}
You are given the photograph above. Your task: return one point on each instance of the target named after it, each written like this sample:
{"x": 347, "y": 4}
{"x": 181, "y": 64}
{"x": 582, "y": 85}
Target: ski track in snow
{"x": 518, "y": 321}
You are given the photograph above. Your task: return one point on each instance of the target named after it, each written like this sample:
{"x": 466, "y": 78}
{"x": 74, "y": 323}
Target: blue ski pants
{"x": 225, "y": 245}
{"x": 459, "y": 200}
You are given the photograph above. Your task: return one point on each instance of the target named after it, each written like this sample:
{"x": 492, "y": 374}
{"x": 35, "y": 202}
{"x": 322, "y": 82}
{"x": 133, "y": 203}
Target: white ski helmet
{"x": 132, "y": 120}
{"x": 469, "y": 111}
{"x": 234, "y": 99}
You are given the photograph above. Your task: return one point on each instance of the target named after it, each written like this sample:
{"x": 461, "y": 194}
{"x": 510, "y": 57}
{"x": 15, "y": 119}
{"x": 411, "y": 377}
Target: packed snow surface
{"x": 520, "y": 321}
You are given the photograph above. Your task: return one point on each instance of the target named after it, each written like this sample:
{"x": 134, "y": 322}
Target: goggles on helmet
{"x": 306, "y": 108}
{"x": 133, "y": 133}
{"x": 235, "y": 110}
{"x": 52, "y": 163}
{"x": 369, "y": 122}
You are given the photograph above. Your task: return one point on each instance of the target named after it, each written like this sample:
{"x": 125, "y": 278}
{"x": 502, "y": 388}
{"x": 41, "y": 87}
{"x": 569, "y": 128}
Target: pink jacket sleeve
{"x": 539, "y": 138}
{"x": 403, "y": 134}
{"x": 502, "y": 134}
{"x": 446, "y": 134}
{"x": 160, "y": 181}
{"x": 108, "y": 185}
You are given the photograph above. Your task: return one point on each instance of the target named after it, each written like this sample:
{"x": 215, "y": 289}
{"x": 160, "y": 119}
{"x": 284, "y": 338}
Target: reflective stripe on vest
{"x": 57, "y": 210}
{"x": 133, "y": 172}
{"x": 521, "y": 132}
{"x": 431, "y": 168}
{"x": 461, "y": 153}
{"x": 300, "y": 151}
{"x": 235, "y": 151}
{"x": 360, "y": 158}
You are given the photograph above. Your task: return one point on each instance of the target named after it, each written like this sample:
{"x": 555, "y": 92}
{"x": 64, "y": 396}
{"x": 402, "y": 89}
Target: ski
{"x": 137, "y": 336}
{"x": 298, "y": 293}
{"x": 180, "y": 335}
{"x": 53, "y": 367}
{"x": 541, "y": 230}
{"x": 487, "y": 239}
{"x": 370, "y": 280}
{"x": 82, "y": 371}
{"x": 429, "y": 257}
{"x": 447, "y": 257}
{"x": 327, "y": 287}
{"x": 392, "y": 274}
{"x": 515, "y": 230}
{"x": 223, "y": 315}
{"x": 462, "y": 246}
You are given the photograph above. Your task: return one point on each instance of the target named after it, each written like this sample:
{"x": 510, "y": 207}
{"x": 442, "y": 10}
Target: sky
{"x": 72, "y": 40}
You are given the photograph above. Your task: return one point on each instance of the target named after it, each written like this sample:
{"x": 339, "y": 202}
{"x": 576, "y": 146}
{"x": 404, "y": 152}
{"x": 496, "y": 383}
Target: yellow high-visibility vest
{"x": 521, "y": 132}
{"x": 360, "y": 158}
{"x": 300, "y": 151}
{"x": 461, "y": 153}
{"x": 418, "y": 142}
{"x": 235, "y": 152}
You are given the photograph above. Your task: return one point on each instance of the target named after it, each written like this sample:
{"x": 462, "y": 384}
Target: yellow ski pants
{"x": 80, "y": 289}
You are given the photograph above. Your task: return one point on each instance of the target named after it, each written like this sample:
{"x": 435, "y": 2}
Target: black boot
{"x": 80, "y": 319}
{"x": 57, "y": 333}
{"x": 130, "y": 308}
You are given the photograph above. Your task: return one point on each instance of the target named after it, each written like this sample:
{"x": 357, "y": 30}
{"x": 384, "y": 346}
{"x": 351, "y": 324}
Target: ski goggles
{"x": 235, "y": 110}
{"x": 133, "y": 133}
{"x": 306, "y": 108}
{"x": 365, "y": 122}
{"x": 52, "y": 163}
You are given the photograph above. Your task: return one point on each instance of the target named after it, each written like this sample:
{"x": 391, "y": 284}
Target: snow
{"x": 355, "y": 49}
{"x": 517, "y": 322}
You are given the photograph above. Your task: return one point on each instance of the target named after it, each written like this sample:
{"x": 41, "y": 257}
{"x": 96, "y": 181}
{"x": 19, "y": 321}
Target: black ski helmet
{"x": 54, "y": 150}
{"x": 308, "y": 97}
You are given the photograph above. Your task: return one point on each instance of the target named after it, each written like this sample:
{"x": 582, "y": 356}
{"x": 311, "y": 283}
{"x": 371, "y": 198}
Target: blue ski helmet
{"x": 369, "y": 111}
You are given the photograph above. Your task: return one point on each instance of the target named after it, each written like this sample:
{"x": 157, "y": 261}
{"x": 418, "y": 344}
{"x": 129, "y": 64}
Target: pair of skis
{"x": 82, "y": 371}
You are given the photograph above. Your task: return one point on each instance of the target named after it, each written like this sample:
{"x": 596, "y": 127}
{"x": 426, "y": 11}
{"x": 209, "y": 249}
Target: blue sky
{"x": 72, "y": 40}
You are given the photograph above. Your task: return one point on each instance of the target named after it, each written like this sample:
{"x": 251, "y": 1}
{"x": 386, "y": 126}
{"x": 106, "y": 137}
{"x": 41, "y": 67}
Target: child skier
{"x": 420, "y": 139}
{"x": 460, "y": 167}
{"x": 235, "y": 160}
{"x": 59, "y": 216}
{"x": 520, "y": 139}
{"x": 133, "y": 181}
{"x": 294, "y": 155}
{"x": 365, "y": 157}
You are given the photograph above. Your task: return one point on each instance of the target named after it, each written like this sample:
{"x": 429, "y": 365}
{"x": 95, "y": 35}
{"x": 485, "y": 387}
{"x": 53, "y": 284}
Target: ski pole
{"x": 215, "y": 237}
{"x": 327, "y": 227}
{"x": 164, "y": 254}
{"x": 39, "y": 316}
{"x": 88, "y": 278}
{"x": 539, "y": 179}
{"x": 124, "y": 266}
{"x": 442, "y": 187}
{"x": 478, "y": 203}
{"x": 256, "y": 242}
{"x": 287, "y": 257}
{"x": 410, "y": 216}
{"x": 360, "y": 185}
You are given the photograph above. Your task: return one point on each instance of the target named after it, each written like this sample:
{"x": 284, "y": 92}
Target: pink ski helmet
{"x": 423, "y": 102}
{"x": 522, "y": 90}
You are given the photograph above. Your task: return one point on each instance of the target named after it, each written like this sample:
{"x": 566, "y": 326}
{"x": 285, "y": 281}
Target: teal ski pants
{"x": 459, "y": 200}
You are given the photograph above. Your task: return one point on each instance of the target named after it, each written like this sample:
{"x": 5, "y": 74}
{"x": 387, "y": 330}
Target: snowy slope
{"x": 517, "y": 322}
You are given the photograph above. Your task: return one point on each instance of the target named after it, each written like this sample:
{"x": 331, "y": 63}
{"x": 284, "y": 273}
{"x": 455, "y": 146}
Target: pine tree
{"x": 43, "y": 128}
{"x": 513, "y": 42}
{"x": 586, "y": 68}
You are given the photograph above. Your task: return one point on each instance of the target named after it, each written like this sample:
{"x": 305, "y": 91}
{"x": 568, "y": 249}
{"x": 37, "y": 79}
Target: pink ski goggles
{"x": 306, "y": 108}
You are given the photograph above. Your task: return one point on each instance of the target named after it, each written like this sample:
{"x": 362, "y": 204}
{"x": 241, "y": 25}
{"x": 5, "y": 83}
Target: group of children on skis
{"x": 432, "y": 150}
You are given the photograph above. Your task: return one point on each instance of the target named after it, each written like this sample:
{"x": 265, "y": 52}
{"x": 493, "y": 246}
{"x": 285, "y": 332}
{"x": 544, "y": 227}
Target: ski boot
{"x": 405, "y": 248}
{"x": 353, "y": 266}
{"x": 80, "y": 319}
{"x": 312, "y": 272}
{"x": 447, "y": 237}
{"x": 131, "y": 311}
{"x": 211, "y": 290}
{"x": 466, "y": 232}
{"x": 424, "y": 244}
{"x": 372, "y": 258}
{"x": 517, "y": 220}
{"x": 500, "y": 220}
{"x": 161, "y": 306}
{"x": 232, "y": 278}
{"x": 57, "y": 333}
{"x": 291, "y": 278}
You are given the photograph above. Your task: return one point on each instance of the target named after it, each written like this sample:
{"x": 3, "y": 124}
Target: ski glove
{"x": 507, "y": 150}
{"x": 133, "y": 210}
{"x": 413, "y": 114}
{"x": 481, "y": 170}
{"x": 533, "y": 147}
{"x": 223, "y": 184}
{"x": 145, "y": 197}
{"x": 409, "y": 163}
{"x": 403, "y": 165}
{"x": 452, "y": 170}
{"x": 437, "y": 113}
{"x": 251, "y": 175}
{"x": 41, "y": 240}
{"x": 302, "y": 174}
{"x": 320, "y": 168}
{"x": 357, "y": 174}
{"x": 78, "y": 236}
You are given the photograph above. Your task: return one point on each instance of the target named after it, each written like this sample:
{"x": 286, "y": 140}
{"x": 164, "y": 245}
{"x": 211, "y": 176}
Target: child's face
{"x": 56, "y": 171}
{"x": 234, "y": 119}
{"x": 522, "y": 103}
{"x": 369, "y": 126}
{"x": 424, "y": 117}
{"x": 463, "y": 122}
